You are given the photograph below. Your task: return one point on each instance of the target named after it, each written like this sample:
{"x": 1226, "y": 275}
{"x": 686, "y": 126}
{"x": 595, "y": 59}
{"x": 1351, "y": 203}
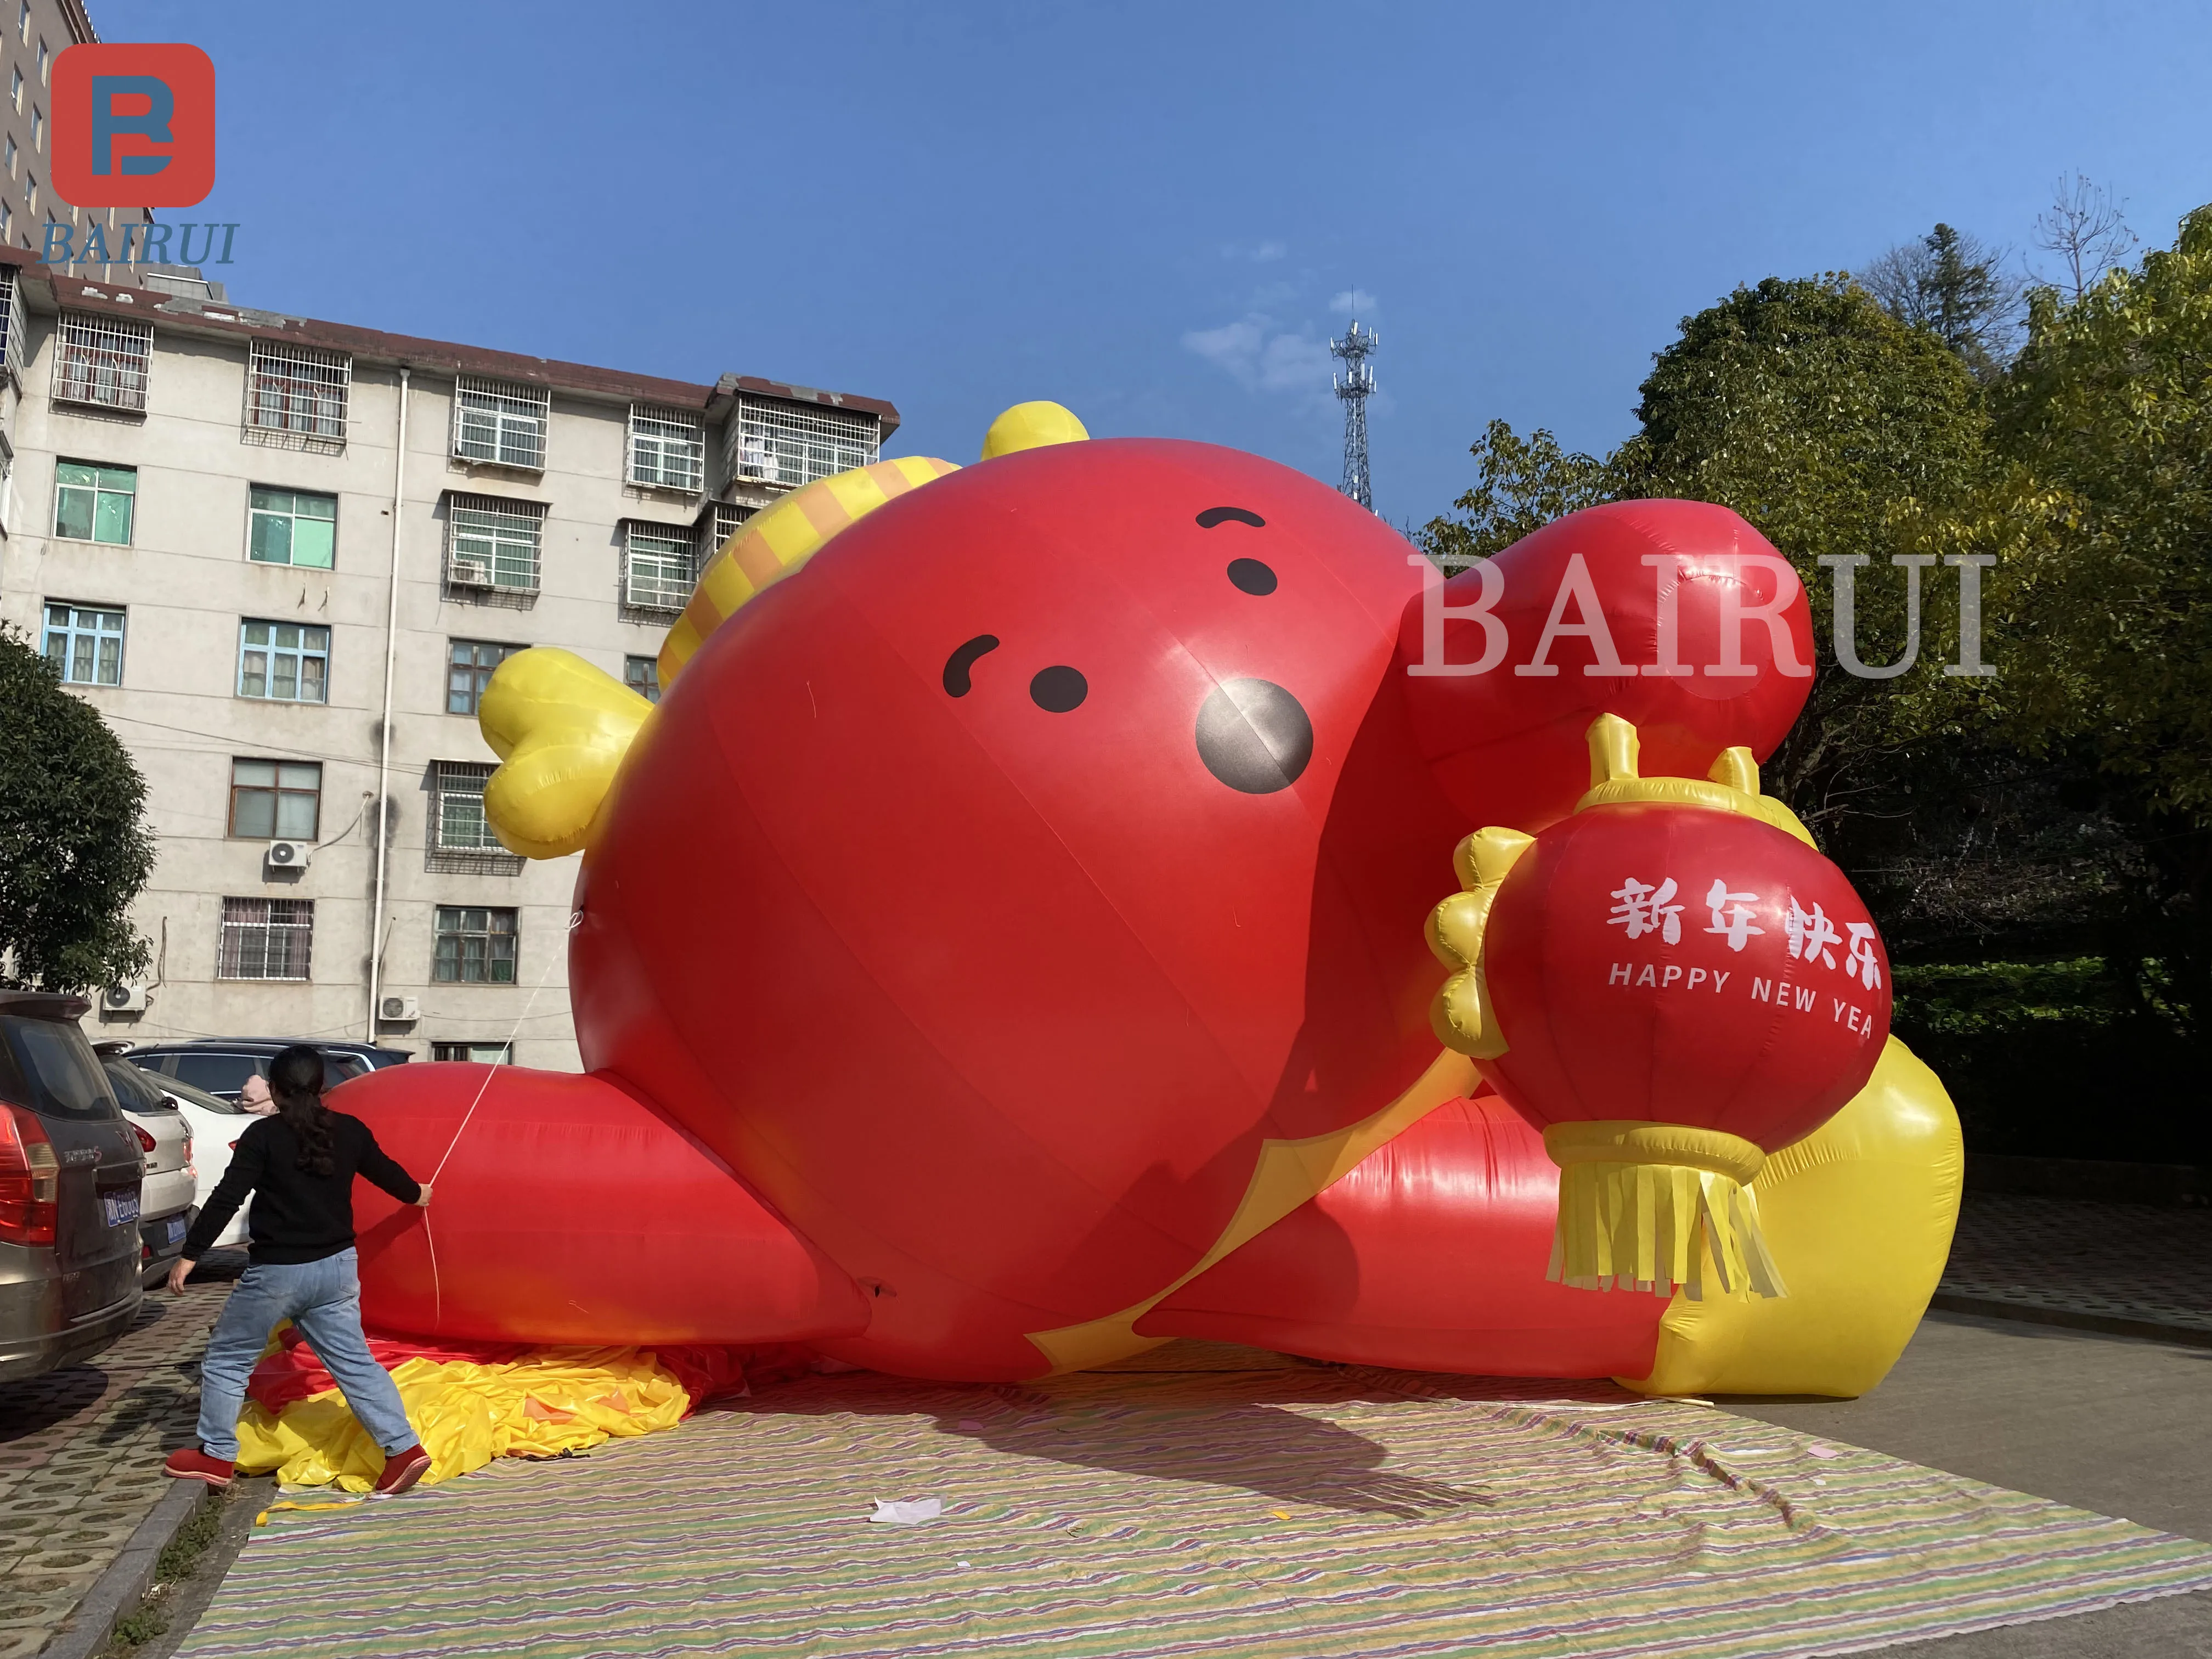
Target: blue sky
{"x": 1151, "y": 212}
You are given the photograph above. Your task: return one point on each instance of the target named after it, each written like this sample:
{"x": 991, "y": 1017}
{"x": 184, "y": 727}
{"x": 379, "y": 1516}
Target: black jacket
{"x": 298, "y": 1216}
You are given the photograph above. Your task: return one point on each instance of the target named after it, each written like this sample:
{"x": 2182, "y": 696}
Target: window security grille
{"x": 267, "y": 938}
{"x": 102, "y": 360}
{"x": 460, "y": 825}
{"x": 667, "y": 449}
{"x": 769, "y": 441}
{"x": 497, "y": 421}
{"x": 12, "y": 319}
{"x": 298, "y": 389}
{"x": 492, "y": 542}
{"x": 657, "y": 568}
{"x": 716, "y": 526}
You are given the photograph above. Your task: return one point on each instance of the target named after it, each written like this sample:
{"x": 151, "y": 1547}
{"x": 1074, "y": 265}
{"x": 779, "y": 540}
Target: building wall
{"x": 186, "y": 584}
{"x": 33, "y": 34}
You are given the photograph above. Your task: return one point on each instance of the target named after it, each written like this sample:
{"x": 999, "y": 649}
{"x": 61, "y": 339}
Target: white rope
{"x": 491, "y": 1070}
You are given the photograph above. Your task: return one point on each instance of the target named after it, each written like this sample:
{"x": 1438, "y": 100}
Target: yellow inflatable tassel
{"x": 1653, "y": 1206}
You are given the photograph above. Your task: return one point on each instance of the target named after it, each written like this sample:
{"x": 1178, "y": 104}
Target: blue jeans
{"x": 322, "y": 1299}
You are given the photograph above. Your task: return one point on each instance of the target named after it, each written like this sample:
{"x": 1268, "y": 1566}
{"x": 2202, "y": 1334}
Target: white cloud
{"x": 1258, "y": 252}
{"x": 1351, "y": 300}
{"x": 1263, "y": 358}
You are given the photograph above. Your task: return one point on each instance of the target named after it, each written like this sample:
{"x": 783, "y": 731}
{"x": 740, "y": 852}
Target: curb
{"x": 84, "y": 1633}
{"x": 1990, "y": 1307}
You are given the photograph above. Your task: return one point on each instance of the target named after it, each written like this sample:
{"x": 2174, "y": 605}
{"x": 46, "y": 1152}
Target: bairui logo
{"x": 134, "y": 125}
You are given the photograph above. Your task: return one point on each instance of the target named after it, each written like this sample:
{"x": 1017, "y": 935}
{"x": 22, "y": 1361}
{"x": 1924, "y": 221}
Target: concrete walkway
{"x": 2132, "y": 1269}
{"x": 80, "y": 1456}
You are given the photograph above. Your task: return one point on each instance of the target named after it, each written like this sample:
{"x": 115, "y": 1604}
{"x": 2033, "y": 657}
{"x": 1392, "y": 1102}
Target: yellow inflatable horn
{"x": 1032, "y": 426}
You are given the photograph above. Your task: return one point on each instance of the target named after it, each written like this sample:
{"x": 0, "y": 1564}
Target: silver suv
{"x": 70, "y": 1173}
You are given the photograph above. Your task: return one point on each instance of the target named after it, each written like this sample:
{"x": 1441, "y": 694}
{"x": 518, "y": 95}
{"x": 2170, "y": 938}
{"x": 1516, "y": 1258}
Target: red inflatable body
{"x": 1005, "y": 913}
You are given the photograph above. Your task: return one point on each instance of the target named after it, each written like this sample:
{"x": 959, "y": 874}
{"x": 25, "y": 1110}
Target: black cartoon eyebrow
{"x": 1214, "y": 515}
{"x": 956, "y": 683}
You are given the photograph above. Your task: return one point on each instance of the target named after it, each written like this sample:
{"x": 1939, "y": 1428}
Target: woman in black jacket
{"x": 299, "y": 1164}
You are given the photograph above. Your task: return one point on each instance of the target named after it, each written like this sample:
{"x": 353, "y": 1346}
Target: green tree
{"x": 74, "y": 848}
{"x": 1836, "y": 431}
{"x": 1521, "y": 485}
{"x": 1955, "y": 286}
{"x": 2109, "y": 608}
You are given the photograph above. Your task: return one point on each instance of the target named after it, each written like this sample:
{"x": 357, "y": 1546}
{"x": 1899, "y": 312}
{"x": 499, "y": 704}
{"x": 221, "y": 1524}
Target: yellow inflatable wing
{"x": 1863, "y": 1210}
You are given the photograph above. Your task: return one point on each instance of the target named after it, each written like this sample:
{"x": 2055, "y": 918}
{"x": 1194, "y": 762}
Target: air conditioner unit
{"x": 123, "y": 999}
{"x": 398, "y": 1010}
{"x": 289, "y": 855}
{"x": 466, "y": 575}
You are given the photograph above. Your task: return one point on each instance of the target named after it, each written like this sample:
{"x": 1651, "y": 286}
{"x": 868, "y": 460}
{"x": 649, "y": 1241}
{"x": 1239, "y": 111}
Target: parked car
{"x": 70, "y": 1173}
{"x": 216, "y": 1124}
{"x": 222, "y": 1065}
{"x": 168, "y": 1197}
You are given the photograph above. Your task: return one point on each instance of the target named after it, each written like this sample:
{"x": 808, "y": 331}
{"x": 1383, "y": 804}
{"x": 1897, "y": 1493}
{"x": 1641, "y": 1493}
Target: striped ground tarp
{"x": 1230, "y": 1505}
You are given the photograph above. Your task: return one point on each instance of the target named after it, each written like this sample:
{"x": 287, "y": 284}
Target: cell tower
{"x": 1353, "y": 387}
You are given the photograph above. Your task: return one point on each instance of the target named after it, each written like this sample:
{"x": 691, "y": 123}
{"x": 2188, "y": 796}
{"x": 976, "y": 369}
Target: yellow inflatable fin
{"x": 1862, "y": 1210}
{"x": 1031, "y": 426}
{"x": 777, "y": 540}
{"x": 1732, "y": 786}
{"x": 561, "y": 727}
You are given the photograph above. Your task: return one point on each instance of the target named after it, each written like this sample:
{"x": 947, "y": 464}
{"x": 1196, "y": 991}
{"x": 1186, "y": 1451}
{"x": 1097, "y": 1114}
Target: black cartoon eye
{"x": 957, "y": 682}
{"x": 1059, "y": 689}
{"x": 1250, "y": 576}
{"x": 1214, "y": 515}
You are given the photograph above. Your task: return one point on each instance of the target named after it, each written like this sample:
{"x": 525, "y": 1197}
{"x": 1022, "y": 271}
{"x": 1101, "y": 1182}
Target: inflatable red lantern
{"x": 1671, "y": 983}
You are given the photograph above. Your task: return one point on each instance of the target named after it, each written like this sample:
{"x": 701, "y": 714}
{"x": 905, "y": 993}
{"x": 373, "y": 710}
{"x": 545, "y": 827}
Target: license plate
{"x": 176, "y": 1228}
{"x": 121, "y": 1211}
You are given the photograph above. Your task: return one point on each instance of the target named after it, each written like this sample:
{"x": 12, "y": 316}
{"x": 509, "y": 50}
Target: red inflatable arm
{"x": 1506, "y": 745}
{"x": 1429, "y": 1256}
{"x": 570, "y": 1212}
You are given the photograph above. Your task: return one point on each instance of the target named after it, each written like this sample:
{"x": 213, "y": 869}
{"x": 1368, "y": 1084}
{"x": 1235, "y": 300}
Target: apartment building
{"x": 243, "y": 537}
{"x": 33, "y": 34}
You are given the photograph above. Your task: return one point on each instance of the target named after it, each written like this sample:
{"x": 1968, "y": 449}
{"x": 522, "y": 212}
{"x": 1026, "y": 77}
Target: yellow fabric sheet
{"x": 544, "y": 1404}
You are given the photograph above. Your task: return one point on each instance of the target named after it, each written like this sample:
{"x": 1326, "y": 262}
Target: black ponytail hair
{"x": 296, "y": 1078}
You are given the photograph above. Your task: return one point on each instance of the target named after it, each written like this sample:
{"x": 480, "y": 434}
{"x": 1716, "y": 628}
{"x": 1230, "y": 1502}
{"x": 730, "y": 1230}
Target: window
{"x": 292, "y": 388}
{"x": 11, "y": 317}
{"x": 275, "y": 800}
{"x": 93, "y": 503}
{"x": 495, "y": 421}
{"x": 267, "y": 938}
{"x": 283, "y": 662}
{"x": 15, "y": 91}
{"x": 657, "y": 573}
{"x": 469, "y": 665}
{"x": 460, "y": 825}
{"x": 30, "y": 195}
{"x": 12, "y": 154}
{"x": 38, "y": 128}
{"x": 24, "y": 22}
{"x": 7, "y": 218}
{"x": 102, "y": 360}
{"x": 492, "y": 543}
{"x": 85, "y": 644}
{"x": 667, "y": 447}
{"x": 643, "y": 676}
{"x": 476, "y": 946}
{"x": 480, "y": 1053}
{"x": 793, "y": 444}
{"x": 715, "y": 526}
{"x": 44, "y": 60}
{"x": 291, "y": 526}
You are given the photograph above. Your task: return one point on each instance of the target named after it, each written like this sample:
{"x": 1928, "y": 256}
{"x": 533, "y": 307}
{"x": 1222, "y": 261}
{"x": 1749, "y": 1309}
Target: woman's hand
{"x": 424, "y": 1201}
{"x": 179, "y": 1270}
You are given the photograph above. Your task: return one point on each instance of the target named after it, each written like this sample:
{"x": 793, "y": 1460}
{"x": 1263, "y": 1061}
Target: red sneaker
{"x": 191, "y": 1463}
{"x": 402, "y": 1469}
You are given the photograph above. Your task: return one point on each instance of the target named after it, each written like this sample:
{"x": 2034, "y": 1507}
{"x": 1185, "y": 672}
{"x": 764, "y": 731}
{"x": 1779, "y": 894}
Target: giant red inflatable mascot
{"x": 1092, "y": 897}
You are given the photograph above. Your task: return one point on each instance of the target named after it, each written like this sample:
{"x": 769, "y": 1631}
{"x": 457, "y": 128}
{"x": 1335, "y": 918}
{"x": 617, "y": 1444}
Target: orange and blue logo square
{"x": 134, "y": 125}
